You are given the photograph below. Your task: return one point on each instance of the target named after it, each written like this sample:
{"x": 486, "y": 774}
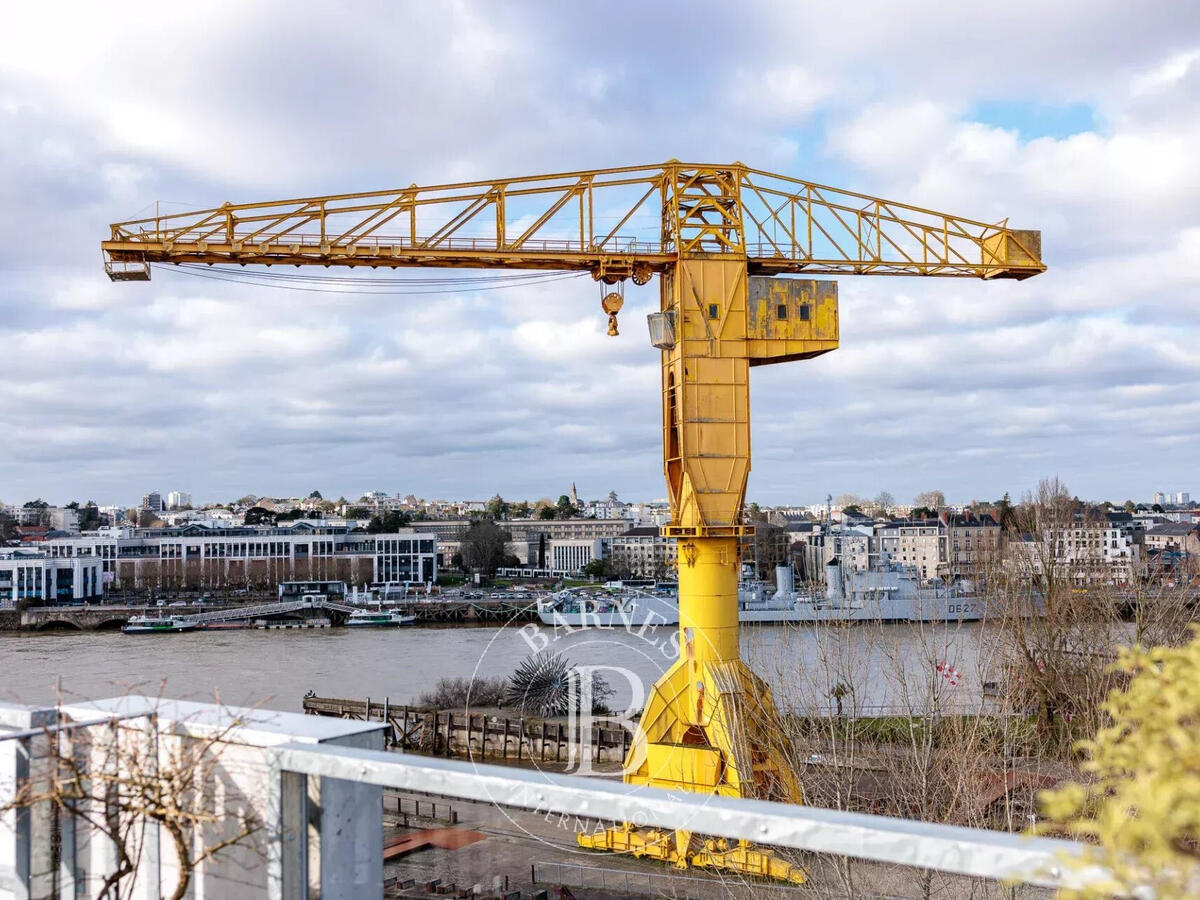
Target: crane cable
{"x": 351, "y": 285}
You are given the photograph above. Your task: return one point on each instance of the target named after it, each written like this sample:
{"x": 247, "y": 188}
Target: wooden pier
{"x": 482, "y": 735}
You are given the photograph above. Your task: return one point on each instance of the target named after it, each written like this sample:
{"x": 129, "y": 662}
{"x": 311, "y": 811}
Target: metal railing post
{"x": 287, "y": 834}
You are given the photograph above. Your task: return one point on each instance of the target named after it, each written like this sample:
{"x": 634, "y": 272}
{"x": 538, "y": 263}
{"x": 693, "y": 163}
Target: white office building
{"x": 196, "y": 556}
{"x": 40, "y": 579}
{"x": 178, "y": 499}
{"x": 573, "y": 555}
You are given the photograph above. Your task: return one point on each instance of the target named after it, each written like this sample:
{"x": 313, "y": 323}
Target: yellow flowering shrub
{"x": 1140, "y": 809}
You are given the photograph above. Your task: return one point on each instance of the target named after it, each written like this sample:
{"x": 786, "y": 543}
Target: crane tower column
{"x": 710, "y": 724}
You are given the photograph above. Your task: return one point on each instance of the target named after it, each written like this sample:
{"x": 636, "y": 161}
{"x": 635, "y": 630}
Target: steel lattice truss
{"x": 613, "y": 223}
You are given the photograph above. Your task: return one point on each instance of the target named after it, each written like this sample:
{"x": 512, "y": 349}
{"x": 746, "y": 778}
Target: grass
{"x": 993, "y": 733}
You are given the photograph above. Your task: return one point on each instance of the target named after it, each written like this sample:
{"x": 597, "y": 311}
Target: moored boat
{"x": 378, "y": 618}
{"x": 157, "y": 625}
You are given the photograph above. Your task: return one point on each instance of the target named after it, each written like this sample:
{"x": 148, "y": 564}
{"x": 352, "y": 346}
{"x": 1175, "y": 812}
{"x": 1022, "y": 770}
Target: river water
{"x": 883, "y": 667}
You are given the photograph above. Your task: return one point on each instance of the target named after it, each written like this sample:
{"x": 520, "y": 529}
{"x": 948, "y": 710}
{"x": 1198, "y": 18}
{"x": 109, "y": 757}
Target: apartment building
{"x": 919, "y": 544}
{"x": 1099, "y": 552}
{"x": 853, "y": 547}
{"x": 178, "y": 499}
{"x": 1177, "y": 537}
{"x": 971, "y": 542}
{"x": 644, "y": 553}
{"x": 566, "y": 529}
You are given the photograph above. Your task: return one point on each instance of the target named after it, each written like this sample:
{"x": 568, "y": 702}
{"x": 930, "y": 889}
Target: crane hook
{"x": 611, "y": 304}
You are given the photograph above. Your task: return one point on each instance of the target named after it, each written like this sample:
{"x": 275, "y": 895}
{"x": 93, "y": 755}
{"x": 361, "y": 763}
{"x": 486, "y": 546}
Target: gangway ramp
{"x": 265, "y": 610}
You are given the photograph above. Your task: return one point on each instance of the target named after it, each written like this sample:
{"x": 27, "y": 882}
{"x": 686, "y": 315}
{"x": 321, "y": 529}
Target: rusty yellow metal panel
{"x": 1018, "y": 251}
{"x": 790, "y": 318}
{"x": 678, "y": 764}
{"x": 706, "y": 394}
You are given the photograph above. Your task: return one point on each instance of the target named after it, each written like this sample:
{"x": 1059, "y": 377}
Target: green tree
{"x": 565, "y": 509}
{"x": 44, "y": 507}
{"x": 1130, "y": 506}
{"x": 389, "y": 522}
{"x": 497, "y": 509}
{"x": 89, "y": 516}
{"x": 1005, "y": 514}
{"x": 315, "y": 495}
{"x": 596, "y": 568}
{"x": 483, "y": 546}
{"x": 1140, "y": 806}
{"x": 547, "y": 512}
{"x": 257, "y": 515}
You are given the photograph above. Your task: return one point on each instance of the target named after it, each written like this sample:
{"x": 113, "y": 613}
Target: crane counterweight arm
{"x": 614, "y": 223}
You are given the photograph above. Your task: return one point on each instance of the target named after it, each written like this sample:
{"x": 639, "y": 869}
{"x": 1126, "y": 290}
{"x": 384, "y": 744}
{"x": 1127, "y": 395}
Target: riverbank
{"x": 105, "y": 617}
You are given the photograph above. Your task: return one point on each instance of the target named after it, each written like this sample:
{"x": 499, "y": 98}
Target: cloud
{"x": 110, "y": 390}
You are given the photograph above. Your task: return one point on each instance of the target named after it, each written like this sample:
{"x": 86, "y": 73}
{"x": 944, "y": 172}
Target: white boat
{"x": 157, "y": 625}
{"x": 378, "y": 618}
{"x": 893, "y": 594}
{"x": 886, "y": 595}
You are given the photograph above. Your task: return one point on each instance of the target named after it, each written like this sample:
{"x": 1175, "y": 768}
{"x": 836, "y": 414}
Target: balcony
{"x": 313, "y": 792}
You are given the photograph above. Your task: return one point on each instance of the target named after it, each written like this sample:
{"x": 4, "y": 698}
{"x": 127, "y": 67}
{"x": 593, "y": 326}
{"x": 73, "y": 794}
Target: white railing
{"x": 319, "y": 796}
{"x": 946, "y": 848}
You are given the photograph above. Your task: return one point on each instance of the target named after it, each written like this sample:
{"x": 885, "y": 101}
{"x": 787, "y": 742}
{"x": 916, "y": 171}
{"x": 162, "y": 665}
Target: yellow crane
{"x": 719, "y": 237}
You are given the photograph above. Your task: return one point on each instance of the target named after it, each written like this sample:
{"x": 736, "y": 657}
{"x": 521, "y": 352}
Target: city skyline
{"x": 1088, "y": 370}
{"x": 1173, "y": 496}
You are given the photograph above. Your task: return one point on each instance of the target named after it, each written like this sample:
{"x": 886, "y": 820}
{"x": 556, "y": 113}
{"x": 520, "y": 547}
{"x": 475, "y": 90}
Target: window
{"x": 714, "y": 311}
{"x": 804, "y": 312}
{"x": 781, "y": 311}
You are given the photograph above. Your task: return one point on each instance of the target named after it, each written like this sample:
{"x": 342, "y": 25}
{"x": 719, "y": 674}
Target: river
{"x": 883, "y": 667}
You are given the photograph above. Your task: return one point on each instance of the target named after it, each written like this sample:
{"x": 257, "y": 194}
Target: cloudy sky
{"x": 1082, "y": 119}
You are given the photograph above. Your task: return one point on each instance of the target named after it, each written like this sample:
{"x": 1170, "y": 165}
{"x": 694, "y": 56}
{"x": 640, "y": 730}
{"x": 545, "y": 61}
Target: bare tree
{"x": 934, "y": 500}
{"x": 120, "y": 777}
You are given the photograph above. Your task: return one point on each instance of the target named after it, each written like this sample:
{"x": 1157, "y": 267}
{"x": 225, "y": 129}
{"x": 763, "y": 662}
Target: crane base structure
{"x": 728, "y": 236}
{"x": 709, "y": 726}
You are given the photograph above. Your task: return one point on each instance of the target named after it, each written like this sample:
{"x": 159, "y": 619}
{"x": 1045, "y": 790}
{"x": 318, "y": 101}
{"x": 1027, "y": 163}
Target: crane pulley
{"x": 723, "y": 240}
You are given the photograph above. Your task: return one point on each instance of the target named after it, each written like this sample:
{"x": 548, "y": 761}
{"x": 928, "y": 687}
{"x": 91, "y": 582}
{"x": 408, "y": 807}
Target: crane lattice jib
{"x": 614, "y": 223}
